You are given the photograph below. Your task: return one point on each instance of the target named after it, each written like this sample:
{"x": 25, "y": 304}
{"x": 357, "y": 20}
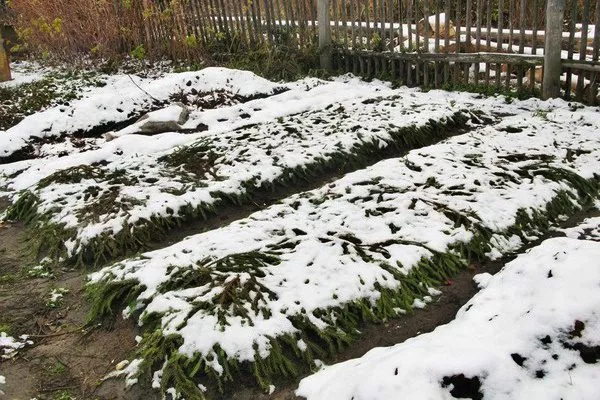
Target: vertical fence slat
{"x": 521, "y": 70}
{"x": 344, "y": 11}
{"x": 367, "y": 10}
{"x": 479, "y": 11}
{"x": 534, "y": 44}
{"x": 510, "y": 41}
{"x": 571, "y": 45}
{"x": 415, "y": 19}
{"x": 593, "y": 100}
{"x": 436, "y": 76}
{"x": 447, "y": 41}
{"x": 391, "y": 30}
{"x": 323, "y": 16}
{"x": 409, "y": 23}
{"x": 401, "y": 26}
{"x": 353, "y": 31}
{"x": 336, "y": 19}
{"x": 426, "y": 41}
{"x": 457, "y": 68}
{"x": 552, "y": 52}
{"x": 499, "y": 39}
{"x": 583, "y": 50}
{"x": 268, "y": 20}
{"x": 468, "y": 43}
{"x": 488, "y": 67}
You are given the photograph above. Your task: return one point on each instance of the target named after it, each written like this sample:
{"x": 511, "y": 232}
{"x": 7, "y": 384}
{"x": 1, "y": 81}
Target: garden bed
{"x": 275, "y": 292}
{"x": 92, "y": 213}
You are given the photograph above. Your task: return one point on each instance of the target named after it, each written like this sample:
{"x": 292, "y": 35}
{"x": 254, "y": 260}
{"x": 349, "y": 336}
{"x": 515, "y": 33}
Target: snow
{"x": 588, "y": 229}
{"x": 121, "y": 98}
{"x": 342, "y": 242}
{"x": 23, "y": 72}
{"x": 530, "y": 313}
{"x": 9, "y": 346}
{"x": 55, "y": 297}
{"x": 245, "y": 152}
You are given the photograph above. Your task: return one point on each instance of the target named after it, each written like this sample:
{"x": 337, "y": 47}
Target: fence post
{"x": 4, "y": 63}
{"x": 324, "y": 34}
{"x": 552, "y": 57}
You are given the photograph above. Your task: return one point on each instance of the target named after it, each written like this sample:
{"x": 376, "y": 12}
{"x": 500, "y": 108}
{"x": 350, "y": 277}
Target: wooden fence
{"x": 503, "y": 43}
{"x": 523, "y": 45}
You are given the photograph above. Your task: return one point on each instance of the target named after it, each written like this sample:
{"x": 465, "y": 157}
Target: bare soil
{"x": 68, "y": 357}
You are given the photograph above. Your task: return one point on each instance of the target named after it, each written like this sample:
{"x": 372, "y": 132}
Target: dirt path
{"x": 64, "y": 359}
{"x": 68, "y": 360}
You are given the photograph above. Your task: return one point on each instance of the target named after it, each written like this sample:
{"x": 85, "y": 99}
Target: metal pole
{"x": 324, "y": 34}
{"x": 552, "y": 58}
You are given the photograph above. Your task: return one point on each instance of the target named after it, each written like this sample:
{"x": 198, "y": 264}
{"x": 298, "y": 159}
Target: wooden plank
{"x": 457, "y": 69}
{"x": 257, "y": 18}
{"x": 401, "y": 29}
{"x": 521, "y": 72}
{"x": 436, "y": 76}
{"x": 468, "y": 44}
{"x": 409, "y": 19}
{"x": 344, "y": 13}
{"x": 510, "y": 40}
{"x": 583, "y": 54}
{"x": 488, "y": 68}
{"x": 269, "y": 20}
{"x": 493, "y": 58}
{"x": 592, "y": 66}
{"x": 336, "y": 19}
{"x": 415, "y": 20}
{"x": 479, "y": 22}
{"x": 499, "y": 39}
{"x": 593, "y": 97}
{"x": 359, "y": 19}
{"x": 324, "y": 34}
{"x": 301, "y": 21}
{"x": 534, "y": 44}
{"x": 250, "y": 24}
{"x": 290, "y": 11}
{"x": 382, "y": 7}
{"x": 367, "y": 11}
{"x": 573, "y": 16}
{"x": 282, "y": 20}
{"x": 199, "y": 21}
{"x": 552, "y": 56}
{"x": 426, "y": 42}
{"x": 230, "y": 22}
{"x": 353, "y": 29}
{"x": 447, "y": 42}
{"x": 391, "y": 31}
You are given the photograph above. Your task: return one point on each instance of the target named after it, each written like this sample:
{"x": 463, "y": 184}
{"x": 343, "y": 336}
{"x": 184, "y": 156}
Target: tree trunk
{"x": 4, "y": 65}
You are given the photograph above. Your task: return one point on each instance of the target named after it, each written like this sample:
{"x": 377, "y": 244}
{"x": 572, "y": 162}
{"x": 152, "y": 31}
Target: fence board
{"x": 583, "y": 52}
{"x": 497, "y": 35}
{"x": 593, "y": 95}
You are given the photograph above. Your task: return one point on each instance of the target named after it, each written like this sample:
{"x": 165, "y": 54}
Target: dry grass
{"x": 66, "y": 27}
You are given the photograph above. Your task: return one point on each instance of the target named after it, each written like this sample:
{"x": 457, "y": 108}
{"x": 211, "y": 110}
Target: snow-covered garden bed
{"x": 532, "y": 332}
{"x": 96, "y": 205}
{"x": 291, "y": 284}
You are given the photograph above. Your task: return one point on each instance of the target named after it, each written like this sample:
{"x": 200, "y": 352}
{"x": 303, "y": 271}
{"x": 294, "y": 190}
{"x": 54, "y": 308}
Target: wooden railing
{"x": 528, "y": 46}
